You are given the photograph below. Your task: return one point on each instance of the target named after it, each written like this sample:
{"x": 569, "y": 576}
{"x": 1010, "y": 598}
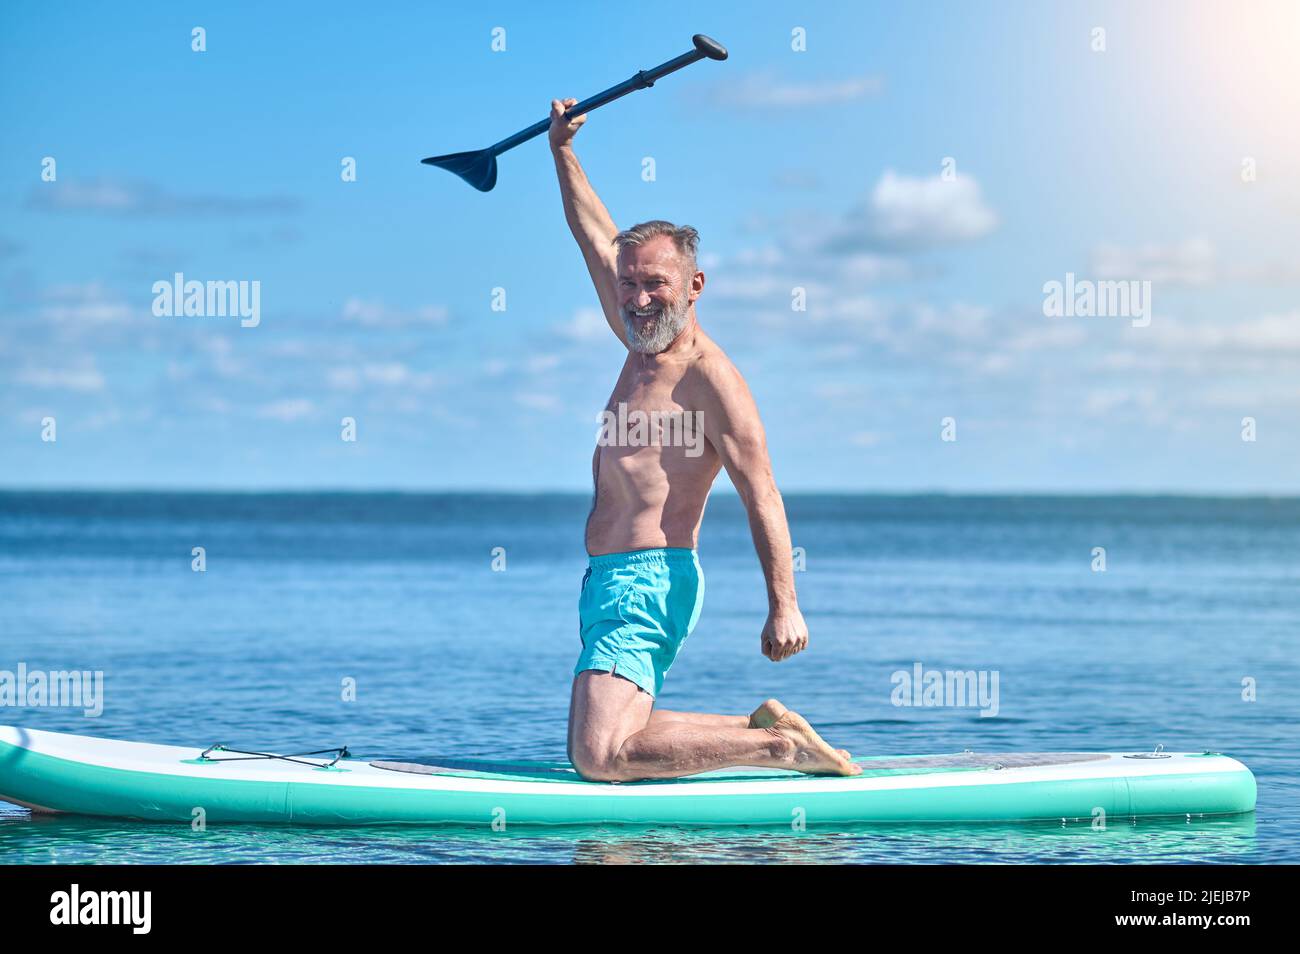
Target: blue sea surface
{"x": 1187, "y": 639}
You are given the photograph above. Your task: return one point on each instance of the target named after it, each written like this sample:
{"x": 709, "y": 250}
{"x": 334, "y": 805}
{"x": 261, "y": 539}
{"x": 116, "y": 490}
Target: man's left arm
{"x": 732, "y": 425}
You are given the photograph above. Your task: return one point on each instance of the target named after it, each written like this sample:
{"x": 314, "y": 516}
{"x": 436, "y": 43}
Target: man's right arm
{"x": 587, "y": 216}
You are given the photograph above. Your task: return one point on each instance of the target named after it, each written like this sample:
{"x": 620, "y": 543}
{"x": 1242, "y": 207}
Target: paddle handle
{"x": 704, "y": 48}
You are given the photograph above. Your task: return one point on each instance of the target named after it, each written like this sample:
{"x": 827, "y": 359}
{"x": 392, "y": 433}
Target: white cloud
{"x": 343, "y": 379}
{"x": 375, "y": 313}
{"x": 752, "y": 286}
{"x": 587, "y": 324}
{"x": 838, "y": 391}
{"x": 853, "y": 309}
{"x": 1102, "y": 401}
{"x": 1193, "y": 262}
{"x": 765, "y": 91}
{"x": 541, "y": 363}
{"x": 1054, "y": 337}
{"x": 81, "y": 305}
{"x": 904, "y": 213}
{"x": 537, "y": 401}
{"x": 92, "y": 195}
{"x": 392, "y": 373}
{"x": 119, "y": 197}
{"x": 1247, "y": 399}
{"x": 288, "y": 410}
{"x": 957, "y": 320}
{"x": 837, "y": 353}
{"x": 83, "y": 379}
{"x": 221, "y": 351}
{"x": 1268, "y": 335}
{"x": 867, "y": 267}
{"x": 1184, "y": 263}
{"x": 432, "y": 314}
{"x": 363, "y": 312}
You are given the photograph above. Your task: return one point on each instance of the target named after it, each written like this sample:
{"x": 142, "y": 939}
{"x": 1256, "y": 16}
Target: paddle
{"x": 479, "y": 168}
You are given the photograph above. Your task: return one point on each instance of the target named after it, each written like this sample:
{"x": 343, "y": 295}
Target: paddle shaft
{"x": 642, "y": 80}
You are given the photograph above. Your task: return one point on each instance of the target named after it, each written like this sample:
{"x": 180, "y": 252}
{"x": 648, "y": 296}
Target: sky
{"x": 885, "y": 194}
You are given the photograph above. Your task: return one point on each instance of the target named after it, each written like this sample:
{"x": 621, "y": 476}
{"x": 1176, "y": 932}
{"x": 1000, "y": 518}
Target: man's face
{"x": 653, "y": 294}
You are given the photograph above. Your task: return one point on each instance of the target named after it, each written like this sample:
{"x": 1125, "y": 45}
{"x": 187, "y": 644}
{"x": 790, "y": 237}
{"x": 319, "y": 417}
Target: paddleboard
{"x": 56, "y": 772}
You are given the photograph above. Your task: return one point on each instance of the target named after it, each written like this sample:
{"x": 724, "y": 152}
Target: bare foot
{"x": 811, "y": 754}
{"x": 771, "y": 710}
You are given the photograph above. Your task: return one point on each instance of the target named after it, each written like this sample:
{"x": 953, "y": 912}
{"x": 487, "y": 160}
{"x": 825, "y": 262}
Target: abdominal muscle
{"x": 648, "y": 497}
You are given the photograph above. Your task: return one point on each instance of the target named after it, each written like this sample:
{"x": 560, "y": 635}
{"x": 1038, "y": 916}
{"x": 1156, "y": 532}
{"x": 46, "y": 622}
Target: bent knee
{"x": 599, "y": 774}
{"x": 596, "y": 768}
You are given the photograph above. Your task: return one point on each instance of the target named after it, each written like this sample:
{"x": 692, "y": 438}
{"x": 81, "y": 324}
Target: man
{"x": 643, "y": 590}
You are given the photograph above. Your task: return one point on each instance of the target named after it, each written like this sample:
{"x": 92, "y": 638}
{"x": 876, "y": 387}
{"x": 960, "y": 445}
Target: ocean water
{"x": 1189, "y": 638}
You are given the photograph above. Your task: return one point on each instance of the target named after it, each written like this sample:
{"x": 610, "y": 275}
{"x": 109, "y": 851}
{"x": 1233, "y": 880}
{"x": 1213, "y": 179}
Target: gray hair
{"x": 685, "y": 238}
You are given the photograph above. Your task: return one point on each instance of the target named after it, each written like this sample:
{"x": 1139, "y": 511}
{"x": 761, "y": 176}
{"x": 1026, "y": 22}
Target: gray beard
{"x": 667, "y": 326}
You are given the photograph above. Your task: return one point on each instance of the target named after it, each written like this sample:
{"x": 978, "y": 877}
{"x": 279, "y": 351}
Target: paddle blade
{"x": 478, "y": 168}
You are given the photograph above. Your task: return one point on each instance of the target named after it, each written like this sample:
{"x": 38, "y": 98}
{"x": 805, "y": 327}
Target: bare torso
{"x": 652, "y": 493}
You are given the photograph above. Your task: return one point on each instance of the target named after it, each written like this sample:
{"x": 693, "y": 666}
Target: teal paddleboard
{"x": 55, "y": 772}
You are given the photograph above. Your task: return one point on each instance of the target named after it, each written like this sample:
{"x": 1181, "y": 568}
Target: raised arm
{"x": 732, "y": 426}
{"x": 587, "y": 216}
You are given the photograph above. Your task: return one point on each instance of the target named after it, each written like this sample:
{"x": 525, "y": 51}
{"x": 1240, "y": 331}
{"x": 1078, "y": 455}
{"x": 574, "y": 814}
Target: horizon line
{"x": 729, "y": 492}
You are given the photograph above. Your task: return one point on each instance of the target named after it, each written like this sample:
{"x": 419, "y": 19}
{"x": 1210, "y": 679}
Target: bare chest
{"x": 650, "y": 413}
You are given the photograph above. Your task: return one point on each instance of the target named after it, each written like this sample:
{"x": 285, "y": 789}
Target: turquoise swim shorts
{"x": 636, "y": 610}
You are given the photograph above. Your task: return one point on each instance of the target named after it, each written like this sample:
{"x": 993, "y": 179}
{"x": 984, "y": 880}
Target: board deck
{"x": 881, "y": 765}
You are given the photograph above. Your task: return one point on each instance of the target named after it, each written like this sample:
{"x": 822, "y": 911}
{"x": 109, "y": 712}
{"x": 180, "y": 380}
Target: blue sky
{"x": 1169, "y": 156}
